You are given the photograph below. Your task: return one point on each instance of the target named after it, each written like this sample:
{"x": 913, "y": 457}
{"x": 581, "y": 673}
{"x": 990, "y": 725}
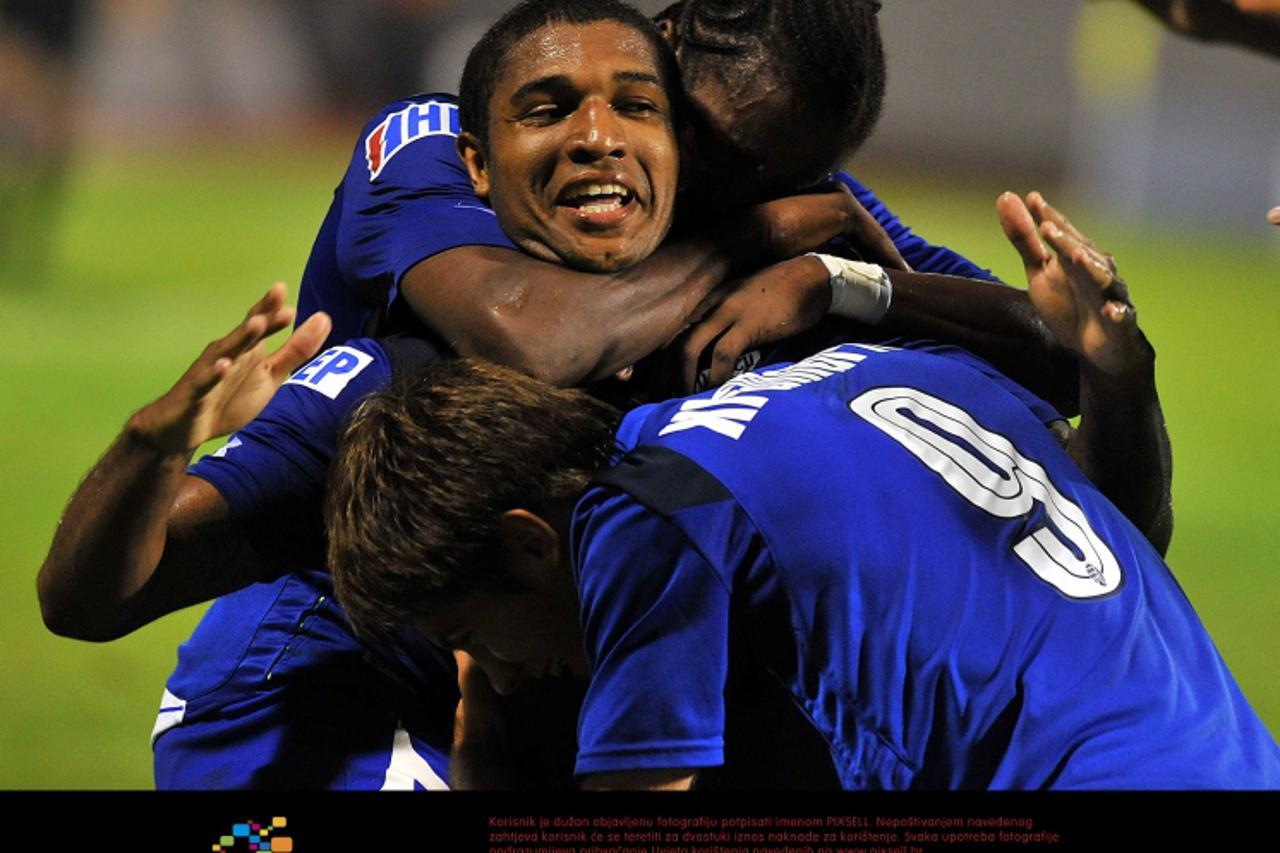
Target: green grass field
{"x": 156, "y": 254}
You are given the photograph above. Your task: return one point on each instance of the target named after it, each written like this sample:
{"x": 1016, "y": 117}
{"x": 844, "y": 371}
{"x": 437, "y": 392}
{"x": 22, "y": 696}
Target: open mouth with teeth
{"x": 596, "y": 199}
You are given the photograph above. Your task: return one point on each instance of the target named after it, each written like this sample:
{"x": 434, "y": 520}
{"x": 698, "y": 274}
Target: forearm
{"x": 567, "y": 327}
{"x": 995, "y": 322}
{"x": 110, "y": 539}
{"x": 1122, "y": 445}
{"x": 139, "y": 537}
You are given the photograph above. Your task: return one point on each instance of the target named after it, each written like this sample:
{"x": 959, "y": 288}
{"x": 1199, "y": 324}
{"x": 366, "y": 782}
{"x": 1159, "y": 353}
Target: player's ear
{"x": 532, "y": 546}
{"x": 667, "y": 27}
{"x": 477, "y": 164}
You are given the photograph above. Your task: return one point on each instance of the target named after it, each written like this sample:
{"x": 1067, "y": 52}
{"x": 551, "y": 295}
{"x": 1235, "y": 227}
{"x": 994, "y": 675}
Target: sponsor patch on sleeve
{"x": 410, "y": 124}
{"x": 330, "y": 371}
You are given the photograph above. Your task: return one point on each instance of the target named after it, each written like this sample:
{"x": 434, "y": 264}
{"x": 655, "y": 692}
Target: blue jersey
{"x": 894, "y": 538}
{"x": 272, "y": 690}
{"x": 406, "y": 197}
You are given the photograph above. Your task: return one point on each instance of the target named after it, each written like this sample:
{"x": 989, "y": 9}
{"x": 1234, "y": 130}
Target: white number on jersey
{"x": 998, "y": 480}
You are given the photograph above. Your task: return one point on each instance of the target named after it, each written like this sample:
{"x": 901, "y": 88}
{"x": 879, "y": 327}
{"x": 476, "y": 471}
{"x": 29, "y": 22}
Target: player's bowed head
{"x": 780, "y": 91}
{"x": 448, "y": 510}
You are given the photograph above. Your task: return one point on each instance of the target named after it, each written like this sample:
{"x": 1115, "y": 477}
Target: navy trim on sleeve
{"x": 663, "y": 480}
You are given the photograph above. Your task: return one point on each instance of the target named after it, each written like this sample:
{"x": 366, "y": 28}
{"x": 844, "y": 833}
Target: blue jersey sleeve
{"x": 655, "y": 622}
{"x": 272, "y": 472}
{"x": 920, "y": 254}
{"x": 405, "y": 197}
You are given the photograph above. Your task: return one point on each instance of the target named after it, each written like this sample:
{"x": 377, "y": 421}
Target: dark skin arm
{"x": 140, "y": 537}
{"x": 1122, "y": 443}
{"x": 568, "y": 327}
{"x": 1104, "y": 368}
{"x": 996, "y": 322}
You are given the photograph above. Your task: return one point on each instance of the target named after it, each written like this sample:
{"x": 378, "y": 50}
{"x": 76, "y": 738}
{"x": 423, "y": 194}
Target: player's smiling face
{"x": 582, "y": 163}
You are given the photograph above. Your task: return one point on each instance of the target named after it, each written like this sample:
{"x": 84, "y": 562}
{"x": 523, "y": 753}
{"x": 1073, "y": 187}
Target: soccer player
{"x": 890, "y": 535}
{"x": 761, "y": 75}
{"x": 406, "y": 222}
{"x": 141, "y": 537}
{"x": 255, "y": 504}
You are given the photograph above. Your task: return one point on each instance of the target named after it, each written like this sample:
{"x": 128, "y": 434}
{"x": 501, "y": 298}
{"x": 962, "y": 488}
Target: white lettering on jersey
{"x": 715, "y": 415}
{"x": 729, "y": 410}
{"x": 330, "y": 371}
{"x": 987, "y": 470}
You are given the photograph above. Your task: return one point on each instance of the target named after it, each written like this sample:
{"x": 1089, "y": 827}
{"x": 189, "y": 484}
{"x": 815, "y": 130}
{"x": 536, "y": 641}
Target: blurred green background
{"x": 157, "y": 251}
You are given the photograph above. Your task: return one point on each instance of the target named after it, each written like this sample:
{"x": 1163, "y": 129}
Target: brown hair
{"x": 426, "y": 468}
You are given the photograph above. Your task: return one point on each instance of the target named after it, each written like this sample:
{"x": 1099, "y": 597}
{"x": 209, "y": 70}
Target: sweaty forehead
{"x": 571, "y": 50}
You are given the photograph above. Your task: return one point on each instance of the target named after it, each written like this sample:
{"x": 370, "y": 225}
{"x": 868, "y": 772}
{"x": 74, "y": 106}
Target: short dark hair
{"x": 828, "y": 52}
{"x": 488, "y": 57}
{"x": 426, "y": 468}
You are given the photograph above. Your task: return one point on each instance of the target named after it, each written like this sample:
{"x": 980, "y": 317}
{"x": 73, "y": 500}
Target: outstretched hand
{"x": 1075, "y": 289}
{"x": 232, "y": 380}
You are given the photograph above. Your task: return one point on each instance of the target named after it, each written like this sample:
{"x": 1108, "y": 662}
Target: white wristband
{"x": 859, "y": 291}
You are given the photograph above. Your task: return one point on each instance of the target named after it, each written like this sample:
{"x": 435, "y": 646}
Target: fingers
{"x": 1085, "y": 258}
{"x": 724, "y": 358}
{"x": 697, "y": 340}
{"x": 270, "y": 302}
{"x": 271, "y": 306}
{"x": 1119, "y": 312}
{"x": 866, "y": 232}
{"x": 1045, "y": 212}
{"x": 267, "y": 316}
{"x": 204, "y": 378}
{"x": 219, "y": 356}
{"x": 1020, "y": 230}
{"x": 300, "y": 346}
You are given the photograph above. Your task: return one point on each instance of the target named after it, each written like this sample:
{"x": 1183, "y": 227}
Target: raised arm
{"x": 140, "y": 537}
{"x": 1122, "y": 443}
{"x": 568, "y": 327}
{"x": 996, "y": 322}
